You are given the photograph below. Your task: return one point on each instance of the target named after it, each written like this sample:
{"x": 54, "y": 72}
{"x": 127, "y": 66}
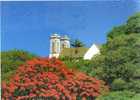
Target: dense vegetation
{"x": 119, "y": 61}
{"x": 51, "y": 79}
{"x": 11, "y": 60}
{"x": 118, "y": 64}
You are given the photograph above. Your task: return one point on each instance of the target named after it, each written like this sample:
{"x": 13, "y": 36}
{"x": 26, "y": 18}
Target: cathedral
{"x": 60, "y": 46}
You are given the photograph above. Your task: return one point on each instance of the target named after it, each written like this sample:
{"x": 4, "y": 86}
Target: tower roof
{"x": 55, "y": 35}
{"x": 65, "y": 37}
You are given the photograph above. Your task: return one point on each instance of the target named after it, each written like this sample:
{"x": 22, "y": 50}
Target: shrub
{"x": 80, "y": 64}
{"x": 10, "y": 60}
{"x": 50, "y": 78}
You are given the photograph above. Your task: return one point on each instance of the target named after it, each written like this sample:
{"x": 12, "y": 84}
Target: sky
{"x": 28, "y": 25}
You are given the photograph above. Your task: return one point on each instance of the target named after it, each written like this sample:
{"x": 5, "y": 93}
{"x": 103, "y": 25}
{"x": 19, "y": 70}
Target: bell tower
{"x": 65, "y": 43}
{"x": 55, "y": 45}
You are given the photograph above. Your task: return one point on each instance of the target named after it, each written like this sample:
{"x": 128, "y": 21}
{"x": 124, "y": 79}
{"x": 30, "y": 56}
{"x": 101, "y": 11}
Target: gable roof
{"x": 98, "y": 45}
{"x": 93, "y": 50}
{"x": 73, "y": 52}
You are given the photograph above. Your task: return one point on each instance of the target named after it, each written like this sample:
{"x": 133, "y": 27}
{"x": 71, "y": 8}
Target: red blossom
{"x": 52, "y": 79}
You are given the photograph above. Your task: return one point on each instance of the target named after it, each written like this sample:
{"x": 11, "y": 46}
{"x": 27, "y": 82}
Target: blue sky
{"x": 28, "y": 25}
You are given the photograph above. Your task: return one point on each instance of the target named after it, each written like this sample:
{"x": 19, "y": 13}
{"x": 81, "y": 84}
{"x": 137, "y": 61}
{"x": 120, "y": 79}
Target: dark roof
{"x": 73, "y": 52}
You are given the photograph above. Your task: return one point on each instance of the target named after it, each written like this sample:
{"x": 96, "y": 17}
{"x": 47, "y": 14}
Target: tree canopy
{"x": 132, "y": 26}
{"x": 77, "y": 43}
{"x": 120, "y": 56}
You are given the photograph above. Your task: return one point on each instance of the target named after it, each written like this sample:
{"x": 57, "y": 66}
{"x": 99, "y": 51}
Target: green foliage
{"x": 132, "y": 26}
{"x": 79, "y": 64}
{"x": 119, "y": 62}
{"x": 134, "y": 85}
{"x": 10, "y": 60}
{"x": 116, "y": 31}
{"x": 136, "y": 97}
{"x": 119, "y": 95}
{"x": 77, "y": 43}
{"x": 118, "y": 84}
{"x": 120, "y": 59}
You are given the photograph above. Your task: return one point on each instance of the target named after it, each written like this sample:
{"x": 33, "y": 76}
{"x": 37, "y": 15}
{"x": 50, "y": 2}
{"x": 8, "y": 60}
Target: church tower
{"x": 65, "y": 43}
{"x": 55, "y": 45}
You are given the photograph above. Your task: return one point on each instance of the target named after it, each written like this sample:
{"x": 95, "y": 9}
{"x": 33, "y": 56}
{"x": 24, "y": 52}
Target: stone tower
{"x": 55, "y": 45}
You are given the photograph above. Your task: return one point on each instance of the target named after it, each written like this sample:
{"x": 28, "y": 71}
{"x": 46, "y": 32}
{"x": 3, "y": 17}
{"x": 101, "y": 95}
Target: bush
{"x": 50, "y": 78}
{"x": 79, "y": 64}
{"x": 10, "y": 60}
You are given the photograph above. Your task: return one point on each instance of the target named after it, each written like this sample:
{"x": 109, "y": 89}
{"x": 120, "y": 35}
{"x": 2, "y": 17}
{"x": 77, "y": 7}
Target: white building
{"x": 60, "y": 46}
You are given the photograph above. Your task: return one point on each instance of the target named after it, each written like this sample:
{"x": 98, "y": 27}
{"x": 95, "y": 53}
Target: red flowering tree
{"x": 50, "y": 79}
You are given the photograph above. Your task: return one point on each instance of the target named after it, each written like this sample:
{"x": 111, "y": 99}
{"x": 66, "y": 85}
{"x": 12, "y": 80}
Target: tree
{"x": 120, "y": 57}
{"x": 77, "y": 43}
{"x": 132, "y": 26}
